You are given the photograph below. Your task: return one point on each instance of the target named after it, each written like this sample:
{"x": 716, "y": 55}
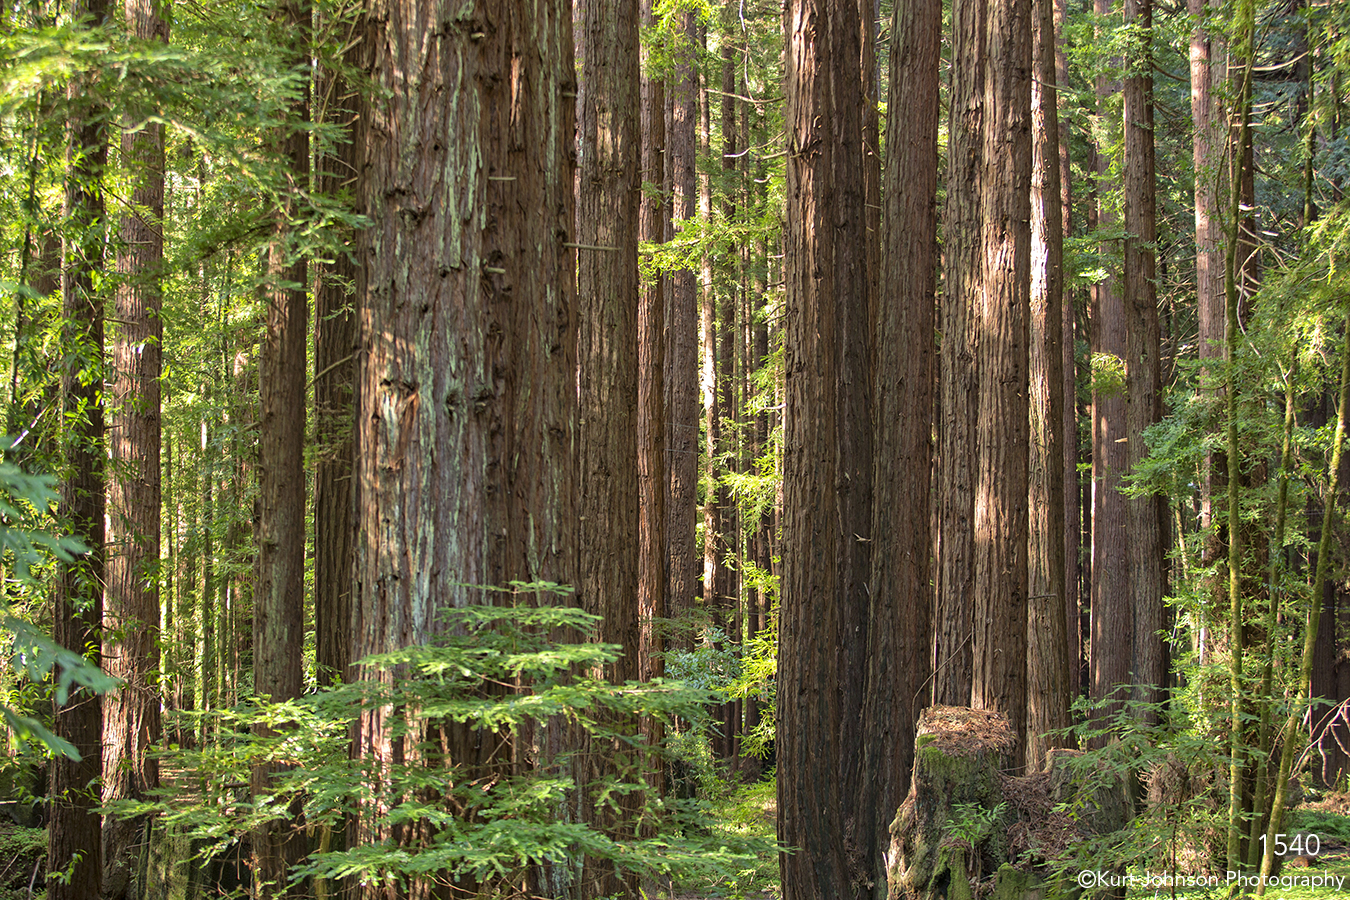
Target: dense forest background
{"x": 451, "y": 444}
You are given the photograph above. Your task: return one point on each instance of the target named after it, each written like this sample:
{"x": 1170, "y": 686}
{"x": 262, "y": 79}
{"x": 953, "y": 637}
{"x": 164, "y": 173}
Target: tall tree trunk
{"x": 131, "y": 718}
{"x": 468, "y": 365}
{"x": 1049, "y": 684}
{"x": 958, "y": 401}
{"x": 1148, "y": 668}
{"x": 279, "y": 597}
{"x": 900, "y": 619}
{"x": 75, "y": 843}
{"x": 827, "y": 481}
{"x": 607, "y": 304}
{"x": 1112, "y": 617}
{"x": 682, "y": 337}
{"x": 654, "y": 213}
{"x": 1002, "y": 431}
{"x": 338, "y": 282}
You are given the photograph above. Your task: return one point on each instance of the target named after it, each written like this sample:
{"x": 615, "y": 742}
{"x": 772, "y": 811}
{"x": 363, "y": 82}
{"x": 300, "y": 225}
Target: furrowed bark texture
{"x": 335, "y": 366}
{"x": 682, "y": 319}
{"x": 75, "y": 843}
{"x": 1049, "y": 685}
{"x": 1148, "y": 668}
{"x": 958, "y": 401}
{"x": 131, "y": 719}
{"x": 467, "y": 329}
{"x": 899, "y": 638}
{"x": 607, "y": 305}
{"x": 1001, "y": 433}
{"x": 827, "y": 480}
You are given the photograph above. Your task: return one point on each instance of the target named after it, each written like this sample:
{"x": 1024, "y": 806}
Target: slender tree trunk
{"x": 654, "y": 214}
{"x": 827, "y": 481}
{"x": 958, "y": 401}
{"x": 278, "y": 602}
{"x": 682, "y": 338}
{"x": 900, "y": 619}
{"x": 607, "y": 303}
{"x": 1002, "y": 431}
{"x": 337, "y": 284}
{"x": 75, "y": 843}
{"x": 1049, "y": 684}
{"x": 1112, "y": 616}
{"x": 468, "y": 363}
{"x": 1148, "y": 668}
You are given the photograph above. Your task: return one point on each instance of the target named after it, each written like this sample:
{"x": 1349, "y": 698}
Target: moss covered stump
{"x": 952, "y": 827}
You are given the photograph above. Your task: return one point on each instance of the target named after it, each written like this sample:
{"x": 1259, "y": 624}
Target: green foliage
{"x": 477, "y": 790}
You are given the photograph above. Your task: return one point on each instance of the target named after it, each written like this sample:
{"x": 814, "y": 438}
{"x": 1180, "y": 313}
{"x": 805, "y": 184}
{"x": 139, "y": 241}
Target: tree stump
{"x": 953, "y": 824}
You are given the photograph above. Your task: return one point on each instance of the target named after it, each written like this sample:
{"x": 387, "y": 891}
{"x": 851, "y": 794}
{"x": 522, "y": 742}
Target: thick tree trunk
{"x": 827, "y": 482}
{"x": 468, "y": 366}
{"x": 1001, "y": 433}
{"x": 75, "y": 843}
{"x": 900, "y": 620}
{"x": 1049, "y": 680}
{"x": 958, "y": 401}
{"x": 607, "y": 304}
{"x": 682, "y": 319}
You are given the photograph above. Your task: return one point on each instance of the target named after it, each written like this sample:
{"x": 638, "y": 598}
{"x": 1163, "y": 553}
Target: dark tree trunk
{"x": 1148, "y": 668}
{"x": 75, "y": 843}
{"x": 279, "y": 595}
{"x": 607, "y": 304}
{"x": 338, "y": 283}
{"x": 827, "y": 480}
{"x": 682, "y": 316}
{"x": 899, "y": 655}
{"x": 1049, "y": 679}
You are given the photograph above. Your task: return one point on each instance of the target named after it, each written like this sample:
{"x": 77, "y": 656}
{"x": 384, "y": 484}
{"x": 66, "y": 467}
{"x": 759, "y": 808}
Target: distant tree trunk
{"x": 682, "y": 317}
{"x": 1148, "y": 668}
{"x": 654, "y": 214}
{"x": 827, "y": 481}
{"x": 279, "y": 595}
{"x": 75, "y": 843}
{"x": 131, "y": 720}
{"x": 1001, "y": 433}
{"x": 1049, "y": 679}
{"x": 1112, "y": 617}
{"x": 899, "y": 650}
{"x": 1073, "y": 508}
{"x": 607, "y": 304}
{"x": 337, "y": 284}
{"x": 468, "y": 365}
{"x": 958, "y": 400}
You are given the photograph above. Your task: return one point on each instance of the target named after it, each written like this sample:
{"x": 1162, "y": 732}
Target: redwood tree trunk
{"x": 75, "y": 843}
{"x": 607, "y": 303}
{"x": 131, "y": 719}
{"x": 1049, "y": 680}
{"x": 899, "y": 656}
{"x": 1001, "y": 433}
{"x": 827, "y": 482}
{"x": 468, "y": 365}
{"x": 682, "y": 317}
{"x": 958, "y": 401}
